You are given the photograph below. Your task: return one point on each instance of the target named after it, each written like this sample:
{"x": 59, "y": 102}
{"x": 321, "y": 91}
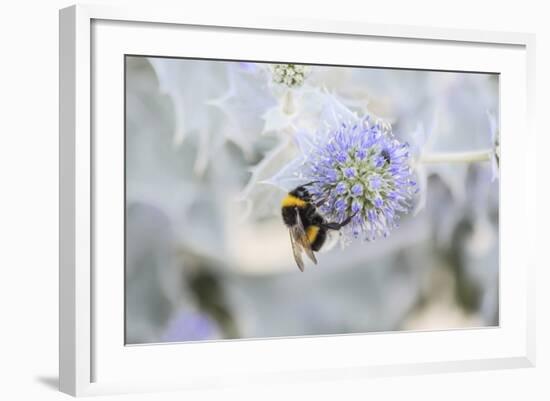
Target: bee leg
{"x": 337, "y": 226}
{"x": 320, "y": 202}
{"x": 309, "y": 183}
{"x": 323, "y": 200}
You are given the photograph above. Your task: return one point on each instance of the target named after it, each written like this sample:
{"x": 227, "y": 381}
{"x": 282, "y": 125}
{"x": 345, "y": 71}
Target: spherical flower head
{"x": 363, "y": 171}
{"x": 290, "y": 75}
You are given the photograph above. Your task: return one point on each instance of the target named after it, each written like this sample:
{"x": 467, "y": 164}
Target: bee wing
{"x": 297, "y": 250}
{"x": 299, "y": 239}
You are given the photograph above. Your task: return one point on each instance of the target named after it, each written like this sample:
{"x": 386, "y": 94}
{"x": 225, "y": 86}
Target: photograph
{"x": 276, "y": 199}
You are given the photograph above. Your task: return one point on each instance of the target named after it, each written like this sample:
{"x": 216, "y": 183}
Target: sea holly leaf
{"x": 276, "y": 120}
{"x": 190, "y": 86}
{"x": 260, "y": 195}
{"x": 334, "y": 113}
{"x": 243, "y": 104}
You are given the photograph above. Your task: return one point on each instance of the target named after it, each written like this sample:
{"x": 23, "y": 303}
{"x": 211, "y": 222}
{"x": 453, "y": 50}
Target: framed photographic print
{"x": 253, "y": 201}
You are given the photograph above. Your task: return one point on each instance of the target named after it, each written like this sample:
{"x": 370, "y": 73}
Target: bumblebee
{"x": 308, "y": 229}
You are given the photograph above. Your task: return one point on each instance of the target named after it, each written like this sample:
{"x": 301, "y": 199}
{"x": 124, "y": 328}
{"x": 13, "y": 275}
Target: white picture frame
{"x": 93, "y": 358}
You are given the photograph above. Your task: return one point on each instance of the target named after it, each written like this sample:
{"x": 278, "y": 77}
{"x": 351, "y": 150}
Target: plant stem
{"x": 288, "y": 102}
{"x": 457, "y": 157}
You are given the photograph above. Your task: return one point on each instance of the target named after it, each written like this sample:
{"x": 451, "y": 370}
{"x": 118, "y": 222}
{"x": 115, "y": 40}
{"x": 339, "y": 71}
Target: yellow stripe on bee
{"x": 311, "y": 233}
{"x": 290, "y": 200}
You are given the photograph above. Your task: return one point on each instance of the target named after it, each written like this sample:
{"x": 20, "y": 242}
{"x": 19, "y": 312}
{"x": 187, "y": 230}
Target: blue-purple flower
{"x": 354, "y": 167}
{"x": 190, "y": 326}
{"x": 361, "y": 170}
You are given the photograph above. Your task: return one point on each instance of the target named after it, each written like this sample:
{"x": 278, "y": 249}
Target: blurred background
{"x": 207, "y": 254}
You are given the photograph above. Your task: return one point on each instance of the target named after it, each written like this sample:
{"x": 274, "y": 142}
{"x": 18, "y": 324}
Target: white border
{"x": 117, "y": 368}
